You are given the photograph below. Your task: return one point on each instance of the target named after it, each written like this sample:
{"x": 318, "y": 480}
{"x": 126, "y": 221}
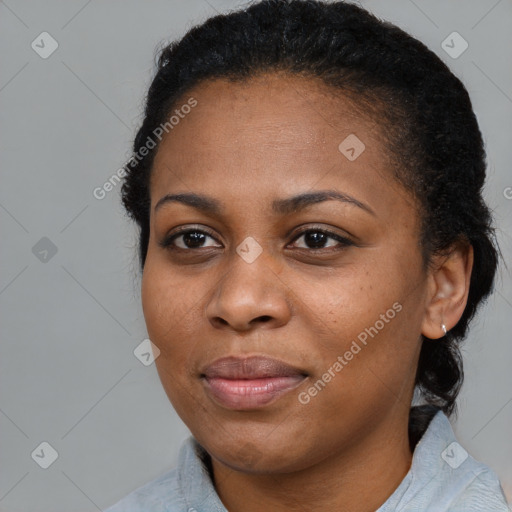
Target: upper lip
{"x": 254, "y": 367}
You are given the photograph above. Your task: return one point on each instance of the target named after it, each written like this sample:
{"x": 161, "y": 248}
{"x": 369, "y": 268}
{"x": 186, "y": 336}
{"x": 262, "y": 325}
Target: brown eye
{"x": 187, "y": 239}
{"x": 318, "y": 239}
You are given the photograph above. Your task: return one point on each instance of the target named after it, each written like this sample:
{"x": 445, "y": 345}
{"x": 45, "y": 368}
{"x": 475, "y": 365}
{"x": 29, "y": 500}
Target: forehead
{"x": 297, "y": 110}
{"x": 274, "y": 131}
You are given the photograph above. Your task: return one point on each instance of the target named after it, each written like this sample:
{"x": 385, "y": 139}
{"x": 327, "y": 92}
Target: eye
{"x": 316, "y": 239}
{"x": 187, "y": 239}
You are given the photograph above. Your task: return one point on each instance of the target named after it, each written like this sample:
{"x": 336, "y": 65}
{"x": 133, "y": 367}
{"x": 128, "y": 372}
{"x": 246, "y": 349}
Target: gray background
{"x": 70, "y": 323}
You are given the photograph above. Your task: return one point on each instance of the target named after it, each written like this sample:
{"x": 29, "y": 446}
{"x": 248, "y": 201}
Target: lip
{"x": 250, "y": 382}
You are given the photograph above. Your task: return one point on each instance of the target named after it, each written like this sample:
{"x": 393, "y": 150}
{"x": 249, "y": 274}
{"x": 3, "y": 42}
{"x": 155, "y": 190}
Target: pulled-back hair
{"x": 434, "y": 142}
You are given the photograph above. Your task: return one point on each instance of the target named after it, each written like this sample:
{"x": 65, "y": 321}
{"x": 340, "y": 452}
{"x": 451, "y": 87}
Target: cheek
{"x": 169, "y": 307}
{"x": 368, "y": 317}
{"x": 346, "y": 302}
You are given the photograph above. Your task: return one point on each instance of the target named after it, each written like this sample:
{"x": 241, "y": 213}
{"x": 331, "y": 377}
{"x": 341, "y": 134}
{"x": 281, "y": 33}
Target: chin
{"x": 258, "y": 456}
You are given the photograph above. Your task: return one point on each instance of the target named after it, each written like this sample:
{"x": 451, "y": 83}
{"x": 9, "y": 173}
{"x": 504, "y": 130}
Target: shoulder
{"x": 160, "y": 495}
{"x": 464, "y": 484}
{"x": 483, "y": 492}
{"x": 444, "y": 478}
{"x": 186, "y": 488}
{"x": 168, "y": 492}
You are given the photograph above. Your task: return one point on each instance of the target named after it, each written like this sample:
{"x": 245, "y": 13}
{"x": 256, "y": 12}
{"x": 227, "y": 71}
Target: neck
{"x": 359, "y": 479}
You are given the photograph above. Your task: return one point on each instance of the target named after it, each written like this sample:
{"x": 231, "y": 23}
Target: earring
{"x": 444, "y": 328}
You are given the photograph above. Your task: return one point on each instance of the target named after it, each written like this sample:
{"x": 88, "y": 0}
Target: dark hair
{"x": 435, "y": 145}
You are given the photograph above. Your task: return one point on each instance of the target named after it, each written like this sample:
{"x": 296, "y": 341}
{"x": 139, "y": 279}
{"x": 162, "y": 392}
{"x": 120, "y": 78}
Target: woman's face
{"x": 289, "y": 330}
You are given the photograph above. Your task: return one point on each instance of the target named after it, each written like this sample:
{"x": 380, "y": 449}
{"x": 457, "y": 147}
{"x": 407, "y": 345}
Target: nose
{"x": 250, "y": 295}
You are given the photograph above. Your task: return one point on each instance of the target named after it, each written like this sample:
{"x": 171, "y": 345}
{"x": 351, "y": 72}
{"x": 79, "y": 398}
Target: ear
{"x": 448, "y": 289}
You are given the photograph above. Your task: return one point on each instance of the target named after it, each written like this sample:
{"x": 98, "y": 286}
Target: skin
{"x": 246, "y": 145}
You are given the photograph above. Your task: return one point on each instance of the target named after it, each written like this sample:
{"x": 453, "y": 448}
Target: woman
{"x": 313, "y": 243}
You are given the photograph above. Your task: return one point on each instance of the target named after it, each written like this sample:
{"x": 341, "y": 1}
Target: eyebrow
{"x": 281, "y": 206}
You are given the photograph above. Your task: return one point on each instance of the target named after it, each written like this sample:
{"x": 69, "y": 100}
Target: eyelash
{"x": 167, "y": 243}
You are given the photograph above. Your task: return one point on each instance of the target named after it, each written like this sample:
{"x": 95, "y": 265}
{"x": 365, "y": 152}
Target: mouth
{"x": 250, "y": 383}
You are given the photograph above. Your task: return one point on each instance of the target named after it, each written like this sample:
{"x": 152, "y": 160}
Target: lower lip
{"x": 242, "y": 394}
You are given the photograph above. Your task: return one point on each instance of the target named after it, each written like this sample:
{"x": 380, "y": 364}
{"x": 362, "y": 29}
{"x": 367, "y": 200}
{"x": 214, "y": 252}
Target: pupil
{"x": 194, "y": 238}
{"x": 315, "y": 238}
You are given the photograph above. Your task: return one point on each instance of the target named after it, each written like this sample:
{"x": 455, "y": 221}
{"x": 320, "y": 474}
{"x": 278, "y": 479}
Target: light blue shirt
{"x": 442, "y": 478}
